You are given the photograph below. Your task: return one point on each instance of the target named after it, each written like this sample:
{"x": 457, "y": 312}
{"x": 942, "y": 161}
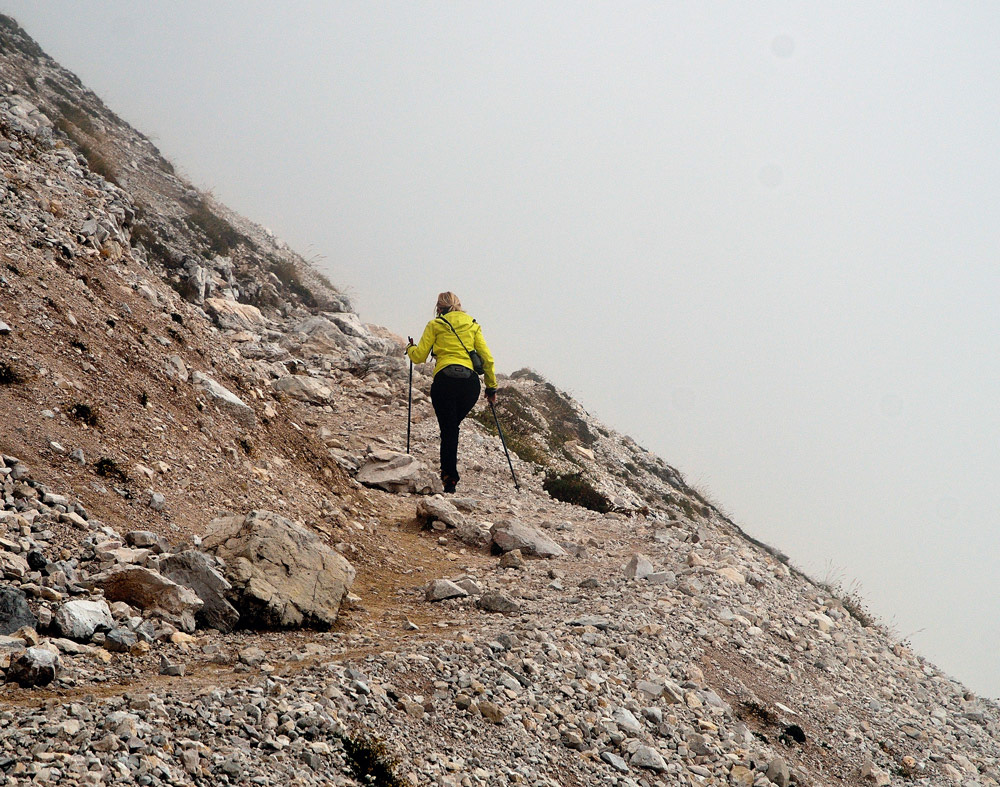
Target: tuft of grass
{"x": 288, "y": 275}
{"x": 95, "y": 159}
{"x": 77, "y": 117}
{"x": 527, "y": 374}
{"x": 84, "y": 413}
{"x": 574, "y": 488}
{"x": 222, "y": 236}
{"x": 370, "y": 761}
{"x": 9, "y": 375}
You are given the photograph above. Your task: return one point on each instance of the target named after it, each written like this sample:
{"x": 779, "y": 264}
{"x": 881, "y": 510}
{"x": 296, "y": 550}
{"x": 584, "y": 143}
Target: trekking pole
{"x": 409, "y": 409}
{"x": 504, "y": 443}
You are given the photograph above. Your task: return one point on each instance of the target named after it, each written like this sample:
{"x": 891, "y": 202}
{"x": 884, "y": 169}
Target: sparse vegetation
{"x": 9, "y": 375}
{"x": 143, "y": 234}
{"x": 370, "y": 761}
{"x": 574, "y": 488}
{"x": 288, "y": 275}
{"x": 222, "y": 236}
{"x": 95, "y": 159}
{"x": 77, "y": 117}
{"x": 520, "y": 426}
{"x": 107, "y": 467}
{"x": 527, "y": 374}
{"x": 84, "y": 413}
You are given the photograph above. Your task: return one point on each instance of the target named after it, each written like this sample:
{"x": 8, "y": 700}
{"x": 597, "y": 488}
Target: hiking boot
{"x": 449, "y": 487}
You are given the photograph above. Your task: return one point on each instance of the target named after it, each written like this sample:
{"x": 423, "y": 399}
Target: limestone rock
{"x": 437, "y": 509}
{"x": 233, "y": 316}
{"x": 493, "y": 601}
{"x": 34, "y": 667}
{"x": 80, "y": 619}
{"x": 283, "y": 575}
{"x": 649, "y": 758}
{"x": 441, "y": 589}
{"x": 196, "y": 570}
{"x": 149, "y": 590}
{"x": 639, "y": 567}
{"x": 398, "y": 472}
{"x": 13, "y": 566}
{"x": 145, "y": 539}
{"x": 531, "y": 541}
{"x": 224, "y": 397}
{"x": 304, "y": 388}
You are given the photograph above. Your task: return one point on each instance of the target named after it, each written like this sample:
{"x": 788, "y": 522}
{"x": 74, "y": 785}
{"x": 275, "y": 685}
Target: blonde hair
{"x": 448, "y": 302}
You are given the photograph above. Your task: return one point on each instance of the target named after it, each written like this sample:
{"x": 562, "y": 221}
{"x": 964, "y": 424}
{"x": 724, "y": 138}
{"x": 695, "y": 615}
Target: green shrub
{"x": 370, "y": 761}
{"x": 574, "y": 488}
{"x": 521, "y": 429}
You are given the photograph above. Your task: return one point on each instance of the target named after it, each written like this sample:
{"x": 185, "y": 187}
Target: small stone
{"x": 512, "y": 559}
{"x": 649, "y": 758}
{"x": 120, "y": 640}
{"x": 157, "y": 501}
{"x": 252, "y": 656}
{"x": 77, "y": 456}
{"x": 639, "y": 567}
{"x": 494, "y": 601}
{"x": 172, "y": 668}
{"x": 441, "y": 589}
{"x": 492, "y": 712}
{"x": 777, "y": 772}
{"x": 616, "y": 762}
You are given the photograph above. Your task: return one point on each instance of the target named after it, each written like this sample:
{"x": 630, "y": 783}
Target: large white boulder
{"x": 283, "y": 575}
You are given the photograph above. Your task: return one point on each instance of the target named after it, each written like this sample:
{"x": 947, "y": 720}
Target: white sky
{"x": 761, "y": 238}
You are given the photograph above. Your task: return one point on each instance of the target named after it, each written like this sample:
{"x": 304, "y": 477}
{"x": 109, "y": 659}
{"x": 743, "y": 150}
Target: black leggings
{"x": 453, "y": 398}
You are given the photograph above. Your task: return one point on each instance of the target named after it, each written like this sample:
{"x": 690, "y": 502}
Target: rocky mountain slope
{"x": 219, "y": 568}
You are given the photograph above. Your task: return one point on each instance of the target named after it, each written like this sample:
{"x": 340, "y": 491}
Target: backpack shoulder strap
{"x": 448, "y": 323}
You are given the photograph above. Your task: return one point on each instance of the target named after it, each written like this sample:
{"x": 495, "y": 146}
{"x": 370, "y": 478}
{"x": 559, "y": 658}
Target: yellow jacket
{"x": 448, "y": 349}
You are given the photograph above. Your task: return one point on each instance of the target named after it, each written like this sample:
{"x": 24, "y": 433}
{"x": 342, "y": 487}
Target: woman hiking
{"x": 452, "y": 336}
